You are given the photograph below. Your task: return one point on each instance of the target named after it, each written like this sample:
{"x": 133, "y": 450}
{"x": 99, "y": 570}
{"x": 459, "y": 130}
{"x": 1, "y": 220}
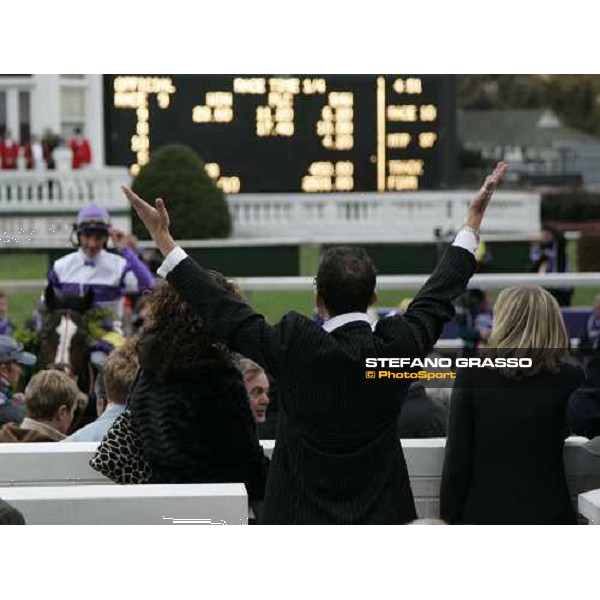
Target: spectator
{"x": 34, "y": 154}
{"x": 50, "y": 403}
{"x": 82, "y": 152}
{"x": 50, "y": 141}
{"x": 6, "y": 325}
{"x": 12, "y": 358}
{"x": 473, "y": 320}
{"x": 189, "y": 405}
{"x": 421, "y": 416}
{"x": 583, "y": 411}
{"x": 117, "y": 376}
{"x": 9, "y": 515}
{"x": 550, "y": 256}
{"x": 506, "y": 429}
{"x": 9, "y": 152}
{"x": 337, "y": 458}
{"x": 139, "y": 315}
{"x": 591, "y": 334}
{"x": 256, "y": 383}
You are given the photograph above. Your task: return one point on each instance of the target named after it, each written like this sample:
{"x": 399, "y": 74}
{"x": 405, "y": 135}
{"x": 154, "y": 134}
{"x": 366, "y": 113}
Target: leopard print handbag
{"x": 120, "y": 456}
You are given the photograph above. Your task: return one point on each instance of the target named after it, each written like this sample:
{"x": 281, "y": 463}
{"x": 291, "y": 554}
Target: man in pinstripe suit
{"x": 337, "y": 458}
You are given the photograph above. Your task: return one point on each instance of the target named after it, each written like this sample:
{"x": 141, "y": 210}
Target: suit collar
{"x": 341, "y": 320}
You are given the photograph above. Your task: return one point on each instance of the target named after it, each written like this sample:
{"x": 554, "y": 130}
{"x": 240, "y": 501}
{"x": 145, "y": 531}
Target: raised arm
{"x": 237, "y": 324}
{"x": 420, "y": 327}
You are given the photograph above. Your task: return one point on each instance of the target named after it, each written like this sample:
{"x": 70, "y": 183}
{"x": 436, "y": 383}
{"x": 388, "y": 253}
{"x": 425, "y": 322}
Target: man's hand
{"x": 156, "y": 220}
{"x": 479, "y": 204}
{"x": 118, "y": 237}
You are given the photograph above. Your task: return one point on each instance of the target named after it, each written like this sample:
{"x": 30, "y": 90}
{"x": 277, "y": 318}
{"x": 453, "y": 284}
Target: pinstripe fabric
{"x": 337, "y": 457}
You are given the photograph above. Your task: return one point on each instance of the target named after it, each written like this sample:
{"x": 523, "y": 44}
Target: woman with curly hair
{"x": 189, "y": 404}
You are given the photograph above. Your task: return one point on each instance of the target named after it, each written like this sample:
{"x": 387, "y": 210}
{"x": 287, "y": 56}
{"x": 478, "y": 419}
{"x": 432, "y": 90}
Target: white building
{"x": 33, "y": 104}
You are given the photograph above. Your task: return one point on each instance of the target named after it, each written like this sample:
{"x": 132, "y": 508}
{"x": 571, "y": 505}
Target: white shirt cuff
{"x": 171, "y": 261}
{"x": 466, "y": 239}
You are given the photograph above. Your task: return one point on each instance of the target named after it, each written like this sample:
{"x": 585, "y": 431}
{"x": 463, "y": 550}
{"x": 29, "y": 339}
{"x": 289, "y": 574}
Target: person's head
{"x": 100, "y": 393}
{"x": 77, "y": 131}
{"x": 173, "y": 335}
{"x": 51, "y": 397}
{"x": 12, "y": 358}
{"x": 93, "y": 224}
{"x": 345, "y": 281}
{"x": 3, "y": 304}
{"x": 63, "y": 367}
{"x": 551, "y": 235}
{"x": 119, "y": 372}
{"x": 142, "y": 306}
{"x": 528, "y": 321}
{"x": 596, "y": 306}
{"x": 256, "y": 383}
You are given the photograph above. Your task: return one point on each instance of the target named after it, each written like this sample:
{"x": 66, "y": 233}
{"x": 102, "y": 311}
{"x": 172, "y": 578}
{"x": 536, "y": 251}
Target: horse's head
{"x": 57, "y": 301}
{"x": 65, "y": 336}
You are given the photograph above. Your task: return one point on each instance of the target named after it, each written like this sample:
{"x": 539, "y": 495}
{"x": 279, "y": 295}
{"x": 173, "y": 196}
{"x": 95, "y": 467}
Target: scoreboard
{"x": 290, "y": 133}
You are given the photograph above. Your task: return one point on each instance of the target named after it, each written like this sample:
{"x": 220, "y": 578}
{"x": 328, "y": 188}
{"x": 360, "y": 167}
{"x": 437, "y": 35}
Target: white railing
{"x": 46, "y": 191}
{"x": 358, "y": 216}
{"x": 38, "y": 208}
{"x": 384, "y": 282}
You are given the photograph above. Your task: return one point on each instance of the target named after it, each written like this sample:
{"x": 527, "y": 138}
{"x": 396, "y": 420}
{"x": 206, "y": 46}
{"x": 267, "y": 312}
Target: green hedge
{"x": 196, "y": 206}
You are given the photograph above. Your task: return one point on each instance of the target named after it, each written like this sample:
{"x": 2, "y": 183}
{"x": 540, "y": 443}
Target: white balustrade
{"x": 357, "y": 216}
{"x": 43, "y": 191}
{"x": 38, "y": 208}
{"x": 411, "y": 216}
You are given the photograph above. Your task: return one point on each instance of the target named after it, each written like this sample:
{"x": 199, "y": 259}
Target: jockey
{"x": 93, "y": 267}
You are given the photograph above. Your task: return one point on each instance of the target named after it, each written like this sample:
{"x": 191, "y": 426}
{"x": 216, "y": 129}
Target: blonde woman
{"x": 506, "y": 429}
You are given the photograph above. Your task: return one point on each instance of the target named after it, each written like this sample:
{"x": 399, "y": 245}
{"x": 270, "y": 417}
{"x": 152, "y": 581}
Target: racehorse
{"x": 66, "y": 338}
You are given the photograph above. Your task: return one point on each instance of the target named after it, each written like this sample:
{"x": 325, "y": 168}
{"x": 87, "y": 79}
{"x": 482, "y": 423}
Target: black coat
{"x": 504, "y": 453}
{"x": 338, "y": 458}
{"x": 421, "y": 417}
{"x": 197, "y": 427}
{"x": 583, "y": 411}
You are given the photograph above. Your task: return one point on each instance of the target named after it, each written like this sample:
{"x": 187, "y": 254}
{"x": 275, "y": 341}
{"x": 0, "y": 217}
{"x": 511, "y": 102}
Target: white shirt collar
{"x": 340, "y": 320}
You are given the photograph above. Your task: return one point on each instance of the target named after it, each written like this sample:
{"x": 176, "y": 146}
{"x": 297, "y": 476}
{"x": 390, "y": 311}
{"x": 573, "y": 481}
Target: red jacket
{"x": 82, "y": 153}
{"x": 9, "y": 152}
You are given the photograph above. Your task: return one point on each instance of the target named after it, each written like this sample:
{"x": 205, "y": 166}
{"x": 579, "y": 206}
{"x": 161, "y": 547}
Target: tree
{"x": 574, "y": 98}
{"x": 196, "y": 206}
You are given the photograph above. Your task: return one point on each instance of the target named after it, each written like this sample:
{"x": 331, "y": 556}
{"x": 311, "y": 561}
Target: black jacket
{"x": 337, "y": 458}
{"x": 197, "y": 427}
{"x": 504, "y": 452}
{"x": 421, "y": 417}
{"x": 583, "y": 411}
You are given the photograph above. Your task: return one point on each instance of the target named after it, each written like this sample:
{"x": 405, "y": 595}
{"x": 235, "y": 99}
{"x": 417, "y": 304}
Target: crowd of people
{"x": 40, "y": 154}
{"x": 204, "y": 377}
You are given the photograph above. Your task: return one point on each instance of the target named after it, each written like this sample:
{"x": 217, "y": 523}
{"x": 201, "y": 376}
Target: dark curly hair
{"x": 174, "y": 336}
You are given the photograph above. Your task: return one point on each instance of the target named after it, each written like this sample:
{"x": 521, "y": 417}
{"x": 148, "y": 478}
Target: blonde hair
{"x": 47, "y": 392}
{"x": 119, "y": 372}
{"x": 528, "y": 323}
